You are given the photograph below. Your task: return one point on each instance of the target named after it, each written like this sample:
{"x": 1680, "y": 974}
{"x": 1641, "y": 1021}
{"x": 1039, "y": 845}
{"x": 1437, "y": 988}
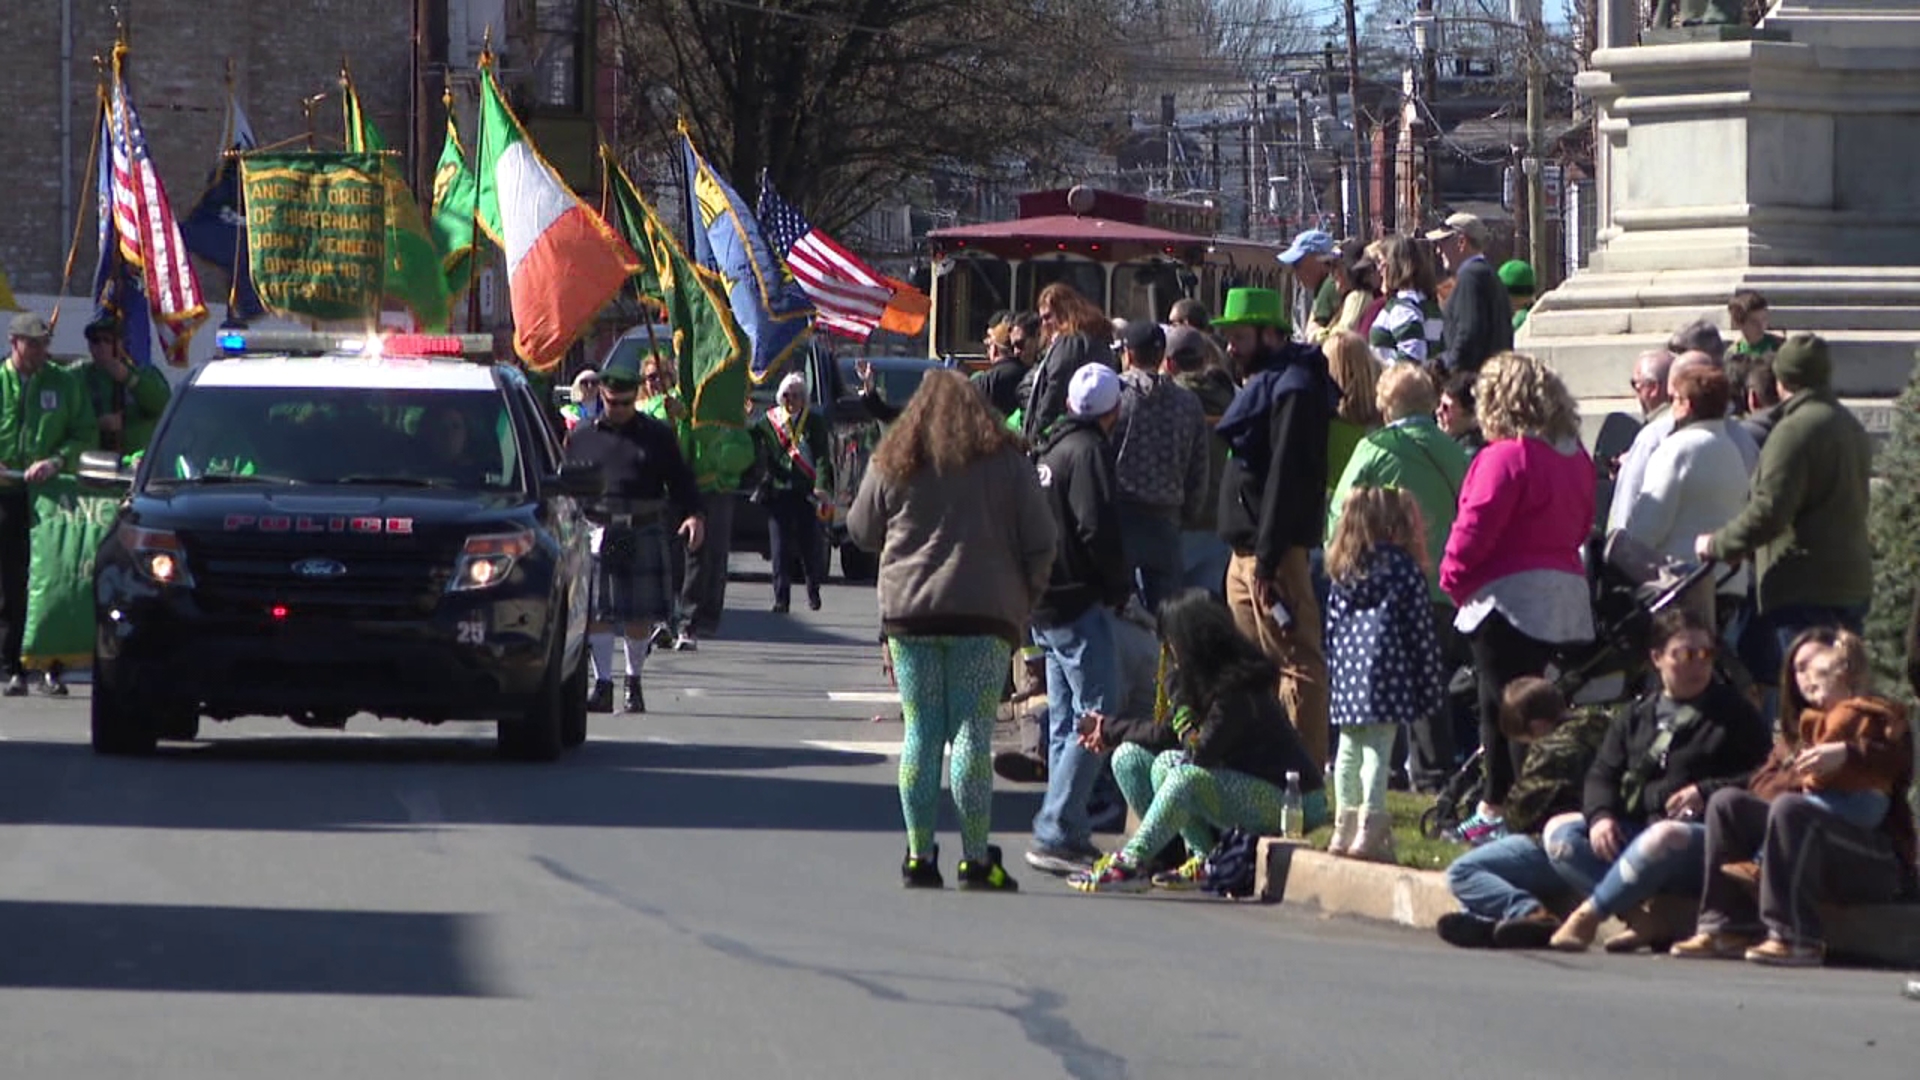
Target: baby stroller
{"x": 1629, "y": 585}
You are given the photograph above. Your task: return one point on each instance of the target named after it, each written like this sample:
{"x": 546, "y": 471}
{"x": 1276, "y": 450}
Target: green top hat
{"x": 1254, "y": 307}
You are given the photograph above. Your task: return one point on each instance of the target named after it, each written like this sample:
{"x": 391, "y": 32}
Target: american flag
{"x": 145, "y": 228}
{"x": 849, "y": 295}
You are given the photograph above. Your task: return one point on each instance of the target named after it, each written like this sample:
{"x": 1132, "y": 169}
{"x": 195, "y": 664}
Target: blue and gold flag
{"x": 767, "y": 302}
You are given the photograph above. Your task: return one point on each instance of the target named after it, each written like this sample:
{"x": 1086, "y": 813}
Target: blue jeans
{"x": 1666, "y": 857}
{"x": 1082, "y": 677}
{"x": 1203, "y": 555}
{"x": 1504, "y": 879}
{"x": 1150, "y": 537}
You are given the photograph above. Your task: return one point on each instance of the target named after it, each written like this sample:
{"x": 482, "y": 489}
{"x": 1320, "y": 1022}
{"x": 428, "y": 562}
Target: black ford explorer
{"x": 369, "y": 527}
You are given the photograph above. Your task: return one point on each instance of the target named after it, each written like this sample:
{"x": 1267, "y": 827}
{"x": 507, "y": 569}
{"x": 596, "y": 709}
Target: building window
{"x": 561, "y": 34}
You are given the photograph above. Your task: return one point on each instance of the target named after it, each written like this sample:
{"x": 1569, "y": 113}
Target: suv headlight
{"x": 157, "y": 555}
{"x": 488, "y": 559}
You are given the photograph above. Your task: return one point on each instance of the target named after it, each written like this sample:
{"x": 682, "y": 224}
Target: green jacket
{"x": 1343, "y": 436}
{"x": 1805, "y": 522}
{"x": 1416, "y": 456}
{"x": 1553, "y": 778}
{"x": 718, "y": 455}
{"x": 139, "y": 401}
{"x": 815, "y": 445}
{"x": 48, "y": 416}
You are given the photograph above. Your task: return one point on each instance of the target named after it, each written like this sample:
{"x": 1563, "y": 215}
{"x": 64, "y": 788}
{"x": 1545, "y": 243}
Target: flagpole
{"x": 80, "y": 218}
{"x": 479, "y": 148}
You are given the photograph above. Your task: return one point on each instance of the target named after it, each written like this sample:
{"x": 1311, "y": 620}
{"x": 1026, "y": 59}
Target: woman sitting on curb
{"x": 1217, "y": 759}
{"x": 1662, "y": 761}
{"x": 1826, "y": 820}
{"x": 1500, "y": 884}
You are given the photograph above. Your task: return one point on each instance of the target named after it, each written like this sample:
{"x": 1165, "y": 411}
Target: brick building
{"x": 281, "y": 54}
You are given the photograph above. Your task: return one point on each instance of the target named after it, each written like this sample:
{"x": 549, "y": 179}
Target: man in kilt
{"x": 650, "y": 494}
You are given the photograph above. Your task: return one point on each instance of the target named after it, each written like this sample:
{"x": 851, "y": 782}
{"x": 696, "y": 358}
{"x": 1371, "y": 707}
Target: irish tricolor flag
{"x": 564, "y": 263}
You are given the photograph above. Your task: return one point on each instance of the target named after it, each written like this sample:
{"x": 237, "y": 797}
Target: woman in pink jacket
{"x": 1513, "y": 563}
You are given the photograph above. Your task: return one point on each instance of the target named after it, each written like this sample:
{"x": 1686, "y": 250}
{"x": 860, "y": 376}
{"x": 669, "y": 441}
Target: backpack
{"x": 1230, "y": 865}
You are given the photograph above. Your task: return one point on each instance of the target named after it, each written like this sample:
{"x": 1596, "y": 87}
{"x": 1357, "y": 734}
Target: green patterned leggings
{"x": 1174, "y": 797}
{"x": 949, "y": 688}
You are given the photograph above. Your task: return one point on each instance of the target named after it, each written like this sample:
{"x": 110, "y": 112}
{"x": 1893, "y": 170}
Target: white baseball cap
{"x": 1093, "y": 391}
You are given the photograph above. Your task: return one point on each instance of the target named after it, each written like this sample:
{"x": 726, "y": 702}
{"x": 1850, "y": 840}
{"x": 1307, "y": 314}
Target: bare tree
{"x": 840, "y": 103}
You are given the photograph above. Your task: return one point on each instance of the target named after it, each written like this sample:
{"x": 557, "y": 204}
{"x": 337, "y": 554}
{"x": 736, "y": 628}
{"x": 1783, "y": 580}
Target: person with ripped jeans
{"x": 1639, "y": 832}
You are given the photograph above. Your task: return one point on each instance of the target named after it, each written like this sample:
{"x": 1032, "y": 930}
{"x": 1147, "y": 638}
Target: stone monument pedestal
{"x": 1783, "y": 166}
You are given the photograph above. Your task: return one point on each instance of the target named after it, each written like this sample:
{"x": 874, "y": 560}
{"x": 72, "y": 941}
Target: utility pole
{"x": 1360, "y": 225}
{"x": 1301, "y": 149}
{"x": 1534, "y": 167}
{"x": 1426, "y": 29}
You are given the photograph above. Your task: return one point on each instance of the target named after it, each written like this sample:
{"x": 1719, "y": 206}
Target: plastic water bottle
{"x": 1293, "y": 823}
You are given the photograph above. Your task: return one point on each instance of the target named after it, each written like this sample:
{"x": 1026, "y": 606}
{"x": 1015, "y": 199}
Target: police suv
{"x": 325, "y": 525}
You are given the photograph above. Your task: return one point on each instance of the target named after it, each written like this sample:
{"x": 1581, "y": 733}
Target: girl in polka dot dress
{"x": 1383, "y": 657}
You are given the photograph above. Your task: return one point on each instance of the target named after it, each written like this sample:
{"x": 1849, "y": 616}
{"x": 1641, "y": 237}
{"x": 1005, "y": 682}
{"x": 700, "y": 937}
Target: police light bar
{"x": 322, "y": 343}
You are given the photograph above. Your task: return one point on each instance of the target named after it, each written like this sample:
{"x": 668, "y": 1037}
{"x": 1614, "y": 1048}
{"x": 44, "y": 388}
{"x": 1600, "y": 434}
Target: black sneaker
{"x": 51, "y": 685}
{"x": 986, "y": 875}
{"x": 636, "y": 701}
{"x": 779, "y": 607}
{"x": 1532, "y": 931}
{"x": 1020, "y": 768}
{"x": 1061, "y": 862}
{"x": 813, "y": 599}
{"x": 662, "y": 636}
{"x": 922, "y": 872}
{"x": 601, "y": 700}
{"x": 16, "y": 687}
{"x": 1465, "y": 931}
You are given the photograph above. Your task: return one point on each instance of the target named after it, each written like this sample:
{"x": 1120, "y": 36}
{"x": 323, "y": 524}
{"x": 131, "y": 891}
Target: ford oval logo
{"x": 319, "y": 568}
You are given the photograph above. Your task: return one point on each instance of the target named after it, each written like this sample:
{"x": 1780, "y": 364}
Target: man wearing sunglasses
{"x": 650, "y": 493}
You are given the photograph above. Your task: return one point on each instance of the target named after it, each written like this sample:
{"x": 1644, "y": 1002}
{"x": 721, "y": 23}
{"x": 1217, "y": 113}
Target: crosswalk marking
{"x": 877, "y": 747}
{"x": 870, "y": 697}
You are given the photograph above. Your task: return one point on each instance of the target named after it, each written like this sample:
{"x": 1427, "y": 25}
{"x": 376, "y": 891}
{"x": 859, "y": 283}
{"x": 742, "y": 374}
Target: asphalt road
{"x": 710, "y": 890}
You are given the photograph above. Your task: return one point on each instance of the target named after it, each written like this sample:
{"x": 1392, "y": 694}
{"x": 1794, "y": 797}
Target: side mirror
{"x": 580, "y": 479}
{"x": 105, "y": 468}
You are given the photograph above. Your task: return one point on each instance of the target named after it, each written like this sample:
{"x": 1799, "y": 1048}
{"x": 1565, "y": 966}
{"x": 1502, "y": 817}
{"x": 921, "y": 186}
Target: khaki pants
{"x": 1297, "y": 650}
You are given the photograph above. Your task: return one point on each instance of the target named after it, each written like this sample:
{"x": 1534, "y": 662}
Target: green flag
{"x": 710, "y": 348}
{"x": 414, "y": 276}
{"x": 455, "y": 192}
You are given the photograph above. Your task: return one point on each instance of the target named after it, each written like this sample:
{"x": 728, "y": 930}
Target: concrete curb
{"x": 1293, "y": 873}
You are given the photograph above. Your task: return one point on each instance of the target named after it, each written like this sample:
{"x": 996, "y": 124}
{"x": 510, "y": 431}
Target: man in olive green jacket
{"x": 1805, "y": 523}
{"x": 45, "y": 422}
{"x": 127, "y": 399}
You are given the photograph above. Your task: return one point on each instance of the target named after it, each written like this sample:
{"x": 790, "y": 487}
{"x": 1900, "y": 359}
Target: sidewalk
{"x": 1292, "y": 874}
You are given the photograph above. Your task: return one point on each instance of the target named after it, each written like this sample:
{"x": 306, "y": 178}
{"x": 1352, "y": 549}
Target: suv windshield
{"x": 895, "y": 379}
{"x": 417, "y": 438}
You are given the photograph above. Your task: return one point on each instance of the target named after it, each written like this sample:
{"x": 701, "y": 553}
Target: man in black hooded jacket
{"x": 1273, "y": 500}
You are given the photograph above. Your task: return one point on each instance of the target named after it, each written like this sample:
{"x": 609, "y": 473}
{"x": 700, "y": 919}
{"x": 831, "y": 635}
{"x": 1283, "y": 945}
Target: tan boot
{"x": 1375, "y": 841}
{"x": 1346, "y": 825}
{"x": 1578, "y": 932}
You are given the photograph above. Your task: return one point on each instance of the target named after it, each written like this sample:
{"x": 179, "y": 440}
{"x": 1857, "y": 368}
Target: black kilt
{"x": 632, "y": 576}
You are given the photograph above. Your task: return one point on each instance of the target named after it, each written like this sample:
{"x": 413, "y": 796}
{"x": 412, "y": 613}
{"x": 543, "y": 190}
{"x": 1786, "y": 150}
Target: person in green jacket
{"x": 720, "y": 457}
{"x": 1413, "y": 454}
{"x": 1805, "y": 522}
{"x": 795, "y": 452}
{"x": 46, "y": 422}
{"x": 127, "y": 399}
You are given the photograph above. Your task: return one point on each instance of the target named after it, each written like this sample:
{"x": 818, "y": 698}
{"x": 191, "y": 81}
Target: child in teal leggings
{"x": 1215, "y": 757}
{"x": 949, "y": 690}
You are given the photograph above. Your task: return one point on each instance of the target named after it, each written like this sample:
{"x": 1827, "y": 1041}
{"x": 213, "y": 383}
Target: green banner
{"x": 317, "y": 233}
{"x": 69, "y": 525}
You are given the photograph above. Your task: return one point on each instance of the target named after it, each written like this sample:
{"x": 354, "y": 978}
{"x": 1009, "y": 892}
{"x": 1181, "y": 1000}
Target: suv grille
{"x": 384, "y": 577}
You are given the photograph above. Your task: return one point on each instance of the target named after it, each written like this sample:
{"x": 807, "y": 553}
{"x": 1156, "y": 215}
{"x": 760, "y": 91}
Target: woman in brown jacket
{"x": 966, "y": 540}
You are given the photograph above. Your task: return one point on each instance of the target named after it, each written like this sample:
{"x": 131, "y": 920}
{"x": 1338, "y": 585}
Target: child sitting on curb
{"x": 1501, "y": 883}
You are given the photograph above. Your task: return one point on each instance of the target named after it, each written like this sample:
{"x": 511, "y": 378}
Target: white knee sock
{"x": 600, "y": 645}
{"x": 635, "y": 653}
